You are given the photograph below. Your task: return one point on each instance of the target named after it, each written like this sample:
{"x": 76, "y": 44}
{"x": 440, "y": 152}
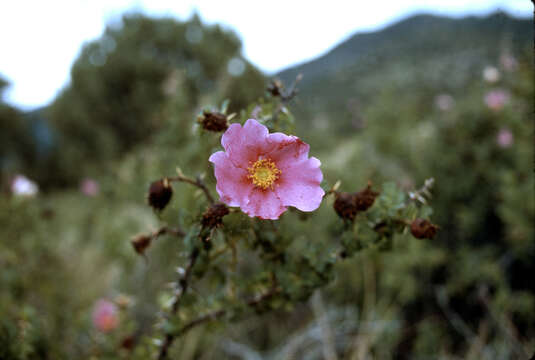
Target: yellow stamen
{"x": 263, "y": 173}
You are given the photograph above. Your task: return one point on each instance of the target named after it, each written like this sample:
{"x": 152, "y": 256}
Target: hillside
{"x": 420, "y": 53}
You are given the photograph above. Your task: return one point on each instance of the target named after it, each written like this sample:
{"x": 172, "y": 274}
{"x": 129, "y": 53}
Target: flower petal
{"x": 286, "y": 150}
{"x": 233, "y": 186}
{"x": 299, "y": 185}
{"x": 265, "y": 204}
{"x": 245, "y": 144}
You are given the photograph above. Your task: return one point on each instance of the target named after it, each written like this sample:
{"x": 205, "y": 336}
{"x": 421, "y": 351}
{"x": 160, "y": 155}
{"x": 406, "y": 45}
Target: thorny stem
{"x": 285, "y": 98}
{"x": 211, "y": 316}
{"x": 196, "y": 182}
{"x": 183, "y": 283}
{"x": 167, "y": 230}
{"x": 214, "y": 315}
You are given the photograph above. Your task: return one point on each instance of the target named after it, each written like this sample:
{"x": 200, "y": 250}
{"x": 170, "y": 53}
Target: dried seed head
{"x": 364, "y": 199}
{"x": 160, "y": 193}
{"x": 128, "y": 342}
{"x": 345, "y": 205}
{"x": 275, "y": 88}
{"x": 213, "y": 121}
{"x": 141, "y": 243}
{"x": 423, "y": 229}
{"x": 213, "y": 216}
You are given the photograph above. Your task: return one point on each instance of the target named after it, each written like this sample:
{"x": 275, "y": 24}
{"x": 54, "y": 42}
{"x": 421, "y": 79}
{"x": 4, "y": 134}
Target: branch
{"x": 196, "y": 182}
{"x": 168, "y": 230}
{"x": 211, "y": 316}
{"x": 424, "y": 193}
{"x": 214, "y": 315}
{"x": 183, "y": 283}
{"x": 141, "y": 242}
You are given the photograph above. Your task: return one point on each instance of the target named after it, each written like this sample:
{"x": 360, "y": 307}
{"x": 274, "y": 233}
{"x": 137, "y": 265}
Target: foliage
{"x": 310, "y": 285}
{"x": 121, "y": 81}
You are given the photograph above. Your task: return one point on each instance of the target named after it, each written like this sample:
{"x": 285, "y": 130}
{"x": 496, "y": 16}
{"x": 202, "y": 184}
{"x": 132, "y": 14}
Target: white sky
{"x": 39, "y": 40}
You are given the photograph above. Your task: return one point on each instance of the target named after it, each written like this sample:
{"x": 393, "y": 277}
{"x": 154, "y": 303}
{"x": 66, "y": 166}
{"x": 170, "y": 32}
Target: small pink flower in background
{"x": 505, "y": 138}
{"x": 491, "y": 74}
{"x": 22, "y": 186}
{"x": 105, "y": 316}
{"x": 496, "y": 99}
{"x": 89, "y": 187}
{"x": 508, "y": 62}
{"x": 264, "y": 173}
{"x": 444, "y": 102}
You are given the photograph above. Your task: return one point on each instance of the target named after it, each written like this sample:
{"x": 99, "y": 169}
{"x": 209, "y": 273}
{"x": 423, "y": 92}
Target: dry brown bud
{"x": 423, "y": 229}
{"x": 213, "y": 216}
{"x": 141, "y": 243}
{"x": 364, "y": 199}
{"x": 345, "y": 205}
{"x": 160, "y": 193}
{"x": 213, "y": 121}
{"x": 128, "y": 342}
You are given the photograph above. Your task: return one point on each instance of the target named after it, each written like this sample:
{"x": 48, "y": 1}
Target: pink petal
{"x": 245, "y": 144}
{"x": 299, "y": 185}
{"x": 264, "y": 204}
{"x": 233, "y": 186}
{"x": 287, "y": 150}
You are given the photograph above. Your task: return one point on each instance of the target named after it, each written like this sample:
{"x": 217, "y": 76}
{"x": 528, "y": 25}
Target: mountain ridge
{"x": 417, "y": 19}
{"x": 424, "y": 53}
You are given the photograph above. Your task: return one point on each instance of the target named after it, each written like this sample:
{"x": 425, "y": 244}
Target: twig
{"x": 455, "y": 320}
{"x": 168, "y": 230}
{"x": 183, "y": 283}
{"x": 218, "y": 313}
{"x": 286, "y": 97}
{"x": 503, "y": 322}
{"x": 196, "y": 182}
{"x": 424, "y": 193}
{"x": 142, "y": 241}
{"x": 211, "y": 316}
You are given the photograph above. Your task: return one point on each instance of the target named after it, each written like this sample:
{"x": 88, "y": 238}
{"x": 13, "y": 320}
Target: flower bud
{"x": 213, "y": 216}
{"x": 423, "y": 229}
{"x": 160, "y": 193}
{"x": 213, "y": 121}
{"x": 128, "y": 342}
{"x": 141, "y": 243}
{"x": 364, "y": 199}
{"x": 345, "y": 205}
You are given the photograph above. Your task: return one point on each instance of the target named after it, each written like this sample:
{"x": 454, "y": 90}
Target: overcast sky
{"x": 40, "y": 40}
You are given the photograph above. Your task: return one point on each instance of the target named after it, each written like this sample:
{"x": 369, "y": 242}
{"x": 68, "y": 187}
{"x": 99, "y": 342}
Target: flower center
{"x": 263, "y": 173}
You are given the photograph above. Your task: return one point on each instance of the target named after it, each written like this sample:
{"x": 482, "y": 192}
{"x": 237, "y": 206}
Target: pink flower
{"x": 496, "y": 99}
{"x": 508, "y": 62}
{"x": 264, "y": 173}
{"x": 105, "y": 317}
{"x": 504, "y": 138}
{"x": 89, "y": 187}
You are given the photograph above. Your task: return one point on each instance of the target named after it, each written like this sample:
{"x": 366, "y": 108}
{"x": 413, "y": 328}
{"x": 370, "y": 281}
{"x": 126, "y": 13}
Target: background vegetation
{"x": 406, "y": 103}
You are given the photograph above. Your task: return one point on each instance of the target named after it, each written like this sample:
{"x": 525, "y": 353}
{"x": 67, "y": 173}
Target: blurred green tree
{"x": 121, "y": 80}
